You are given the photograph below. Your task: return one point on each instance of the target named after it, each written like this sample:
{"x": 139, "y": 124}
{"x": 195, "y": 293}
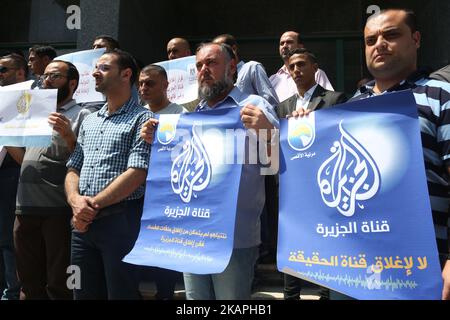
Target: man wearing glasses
{"x": 105, "y": 184}
{"x": 13, "y": 69}
{"x": 42, "y": 227}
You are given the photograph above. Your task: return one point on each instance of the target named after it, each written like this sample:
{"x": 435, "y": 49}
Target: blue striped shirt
{"x": 433, "y": 103}
{"x": 108, "y": 145}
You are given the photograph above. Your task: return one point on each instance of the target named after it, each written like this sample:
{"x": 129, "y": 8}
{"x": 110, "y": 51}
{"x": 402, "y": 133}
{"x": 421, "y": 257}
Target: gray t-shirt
{"x": 172, "y": 108}
{"x": 43, "y": 171}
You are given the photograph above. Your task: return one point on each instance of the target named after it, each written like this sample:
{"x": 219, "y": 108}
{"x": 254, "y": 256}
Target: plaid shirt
{"x": 108, "y": 145}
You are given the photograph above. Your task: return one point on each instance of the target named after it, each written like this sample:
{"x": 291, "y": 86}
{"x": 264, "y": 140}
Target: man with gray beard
{"x": 216, "y": 70}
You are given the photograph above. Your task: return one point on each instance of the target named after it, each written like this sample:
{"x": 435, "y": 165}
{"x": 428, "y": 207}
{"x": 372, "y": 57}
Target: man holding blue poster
{"x": 356, "y": 213}
{"x": 303, "y": 66}
{"x": 392, "y": 41}
{"x": 216, "y": 69}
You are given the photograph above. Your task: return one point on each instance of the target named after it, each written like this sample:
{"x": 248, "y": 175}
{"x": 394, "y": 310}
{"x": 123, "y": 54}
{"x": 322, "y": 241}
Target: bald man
{"x": 178, "y": 48}
{"x": 282, "y": 81}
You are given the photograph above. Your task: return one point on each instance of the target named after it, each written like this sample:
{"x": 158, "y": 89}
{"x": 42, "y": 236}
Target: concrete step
{"x": 268, "y": 285}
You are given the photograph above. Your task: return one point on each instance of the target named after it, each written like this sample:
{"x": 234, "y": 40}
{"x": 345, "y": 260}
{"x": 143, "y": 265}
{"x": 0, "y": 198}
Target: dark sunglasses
{"x": 4, "y": 69}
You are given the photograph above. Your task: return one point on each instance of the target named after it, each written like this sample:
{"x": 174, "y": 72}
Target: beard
{"x": 63, "y": 93}
{"x": 217, "y": 89}
{"x": 8, "y": 81}
{"x": 284, "y": 55}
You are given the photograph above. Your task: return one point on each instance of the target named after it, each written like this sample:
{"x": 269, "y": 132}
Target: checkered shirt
{"x": 108, "y": 145}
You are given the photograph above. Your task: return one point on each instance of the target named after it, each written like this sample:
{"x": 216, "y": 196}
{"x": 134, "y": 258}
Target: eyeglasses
{"x": 103, "y": 67}
{"x": 52, "y": 76}
{"x": 6, "y": 69}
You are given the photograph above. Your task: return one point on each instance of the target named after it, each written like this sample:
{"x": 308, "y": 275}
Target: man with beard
{"x": 282, "y": 81}
{"x": 105, "y": 184}
{"x": 13, "y": 69}
{"x": 216, "y": 68}
{"x": 42, "y": 226}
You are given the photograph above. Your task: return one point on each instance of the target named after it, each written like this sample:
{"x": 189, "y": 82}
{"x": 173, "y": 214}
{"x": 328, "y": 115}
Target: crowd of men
{"x": 79, "y": 201}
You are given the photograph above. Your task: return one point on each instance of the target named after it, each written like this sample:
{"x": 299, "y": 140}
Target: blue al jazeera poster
{"x": 355, "y": 214}
{"x": 191, "y": 195}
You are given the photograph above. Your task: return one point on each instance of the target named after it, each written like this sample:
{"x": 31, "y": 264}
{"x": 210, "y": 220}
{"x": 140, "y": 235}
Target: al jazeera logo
{"x": 24, "y": 105}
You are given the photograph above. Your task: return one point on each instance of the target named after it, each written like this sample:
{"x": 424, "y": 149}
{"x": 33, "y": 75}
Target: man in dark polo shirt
{"x": 42, "y": 228}
{"x": 13, "y": 69}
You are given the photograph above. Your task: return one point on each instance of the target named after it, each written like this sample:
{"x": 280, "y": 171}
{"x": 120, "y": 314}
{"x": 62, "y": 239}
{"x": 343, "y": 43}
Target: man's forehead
{"x": 100, "y": 42}
{"x": 56, "y": 66}
{"x": 386, "y": 20}
{"x": 298, "y": 57}
{"x": 107, "y": 58}
{"x": 6, "y": 62}
{"x": 210, "y": 52}
{"x": 289, "y": 36}
{"x": 175, "y": 44}
{"x": 220, "y": 40}
{"x": 172, "y": 44}
{"x": 151, "y": 75}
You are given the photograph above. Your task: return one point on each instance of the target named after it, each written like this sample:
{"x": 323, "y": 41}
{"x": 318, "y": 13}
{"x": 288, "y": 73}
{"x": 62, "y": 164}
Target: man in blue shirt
{"x": 105, "y": 184}
{"x": 216, "y": 69}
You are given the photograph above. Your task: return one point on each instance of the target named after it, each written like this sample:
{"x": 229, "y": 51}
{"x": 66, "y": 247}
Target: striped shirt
{"x": 433, "y": 103}
{"x": 108, "y": 145}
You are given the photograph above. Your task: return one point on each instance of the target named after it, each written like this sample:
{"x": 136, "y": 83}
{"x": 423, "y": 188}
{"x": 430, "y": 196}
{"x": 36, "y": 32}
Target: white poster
{"x": 85, "y": 62}
{"x": 24, "y": 117}
{"x": 182, "y": 74}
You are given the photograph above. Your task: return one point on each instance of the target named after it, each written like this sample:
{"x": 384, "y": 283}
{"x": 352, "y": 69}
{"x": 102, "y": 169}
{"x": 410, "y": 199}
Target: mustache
{"x": 206, "y": 77}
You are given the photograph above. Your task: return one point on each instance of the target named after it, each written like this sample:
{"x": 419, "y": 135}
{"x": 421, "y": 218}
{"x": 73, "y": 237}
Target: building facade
{"x": 333, "y": 30}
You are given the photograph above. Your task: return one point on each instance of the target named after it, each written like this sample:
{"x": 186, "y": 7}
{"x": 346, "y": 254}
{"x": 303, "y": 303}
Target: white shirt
{"x": 285, "y": 86}
{"x": 302, "y": 102}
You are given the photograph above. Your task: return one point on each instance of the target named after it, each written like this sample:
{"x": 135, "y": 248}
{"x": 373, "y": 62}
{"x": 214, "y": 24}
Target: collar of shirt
{"x": 239, "y": 66}
{"x": 103, "y": 112}
{"x": 234, "y": 95}
{"x": 304, "y": 101}
{"x": 409, "y": 83}
{"x": 284, "y": 71}
{"x": 308, "y": 94}
{"x": 69, "y": 105}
